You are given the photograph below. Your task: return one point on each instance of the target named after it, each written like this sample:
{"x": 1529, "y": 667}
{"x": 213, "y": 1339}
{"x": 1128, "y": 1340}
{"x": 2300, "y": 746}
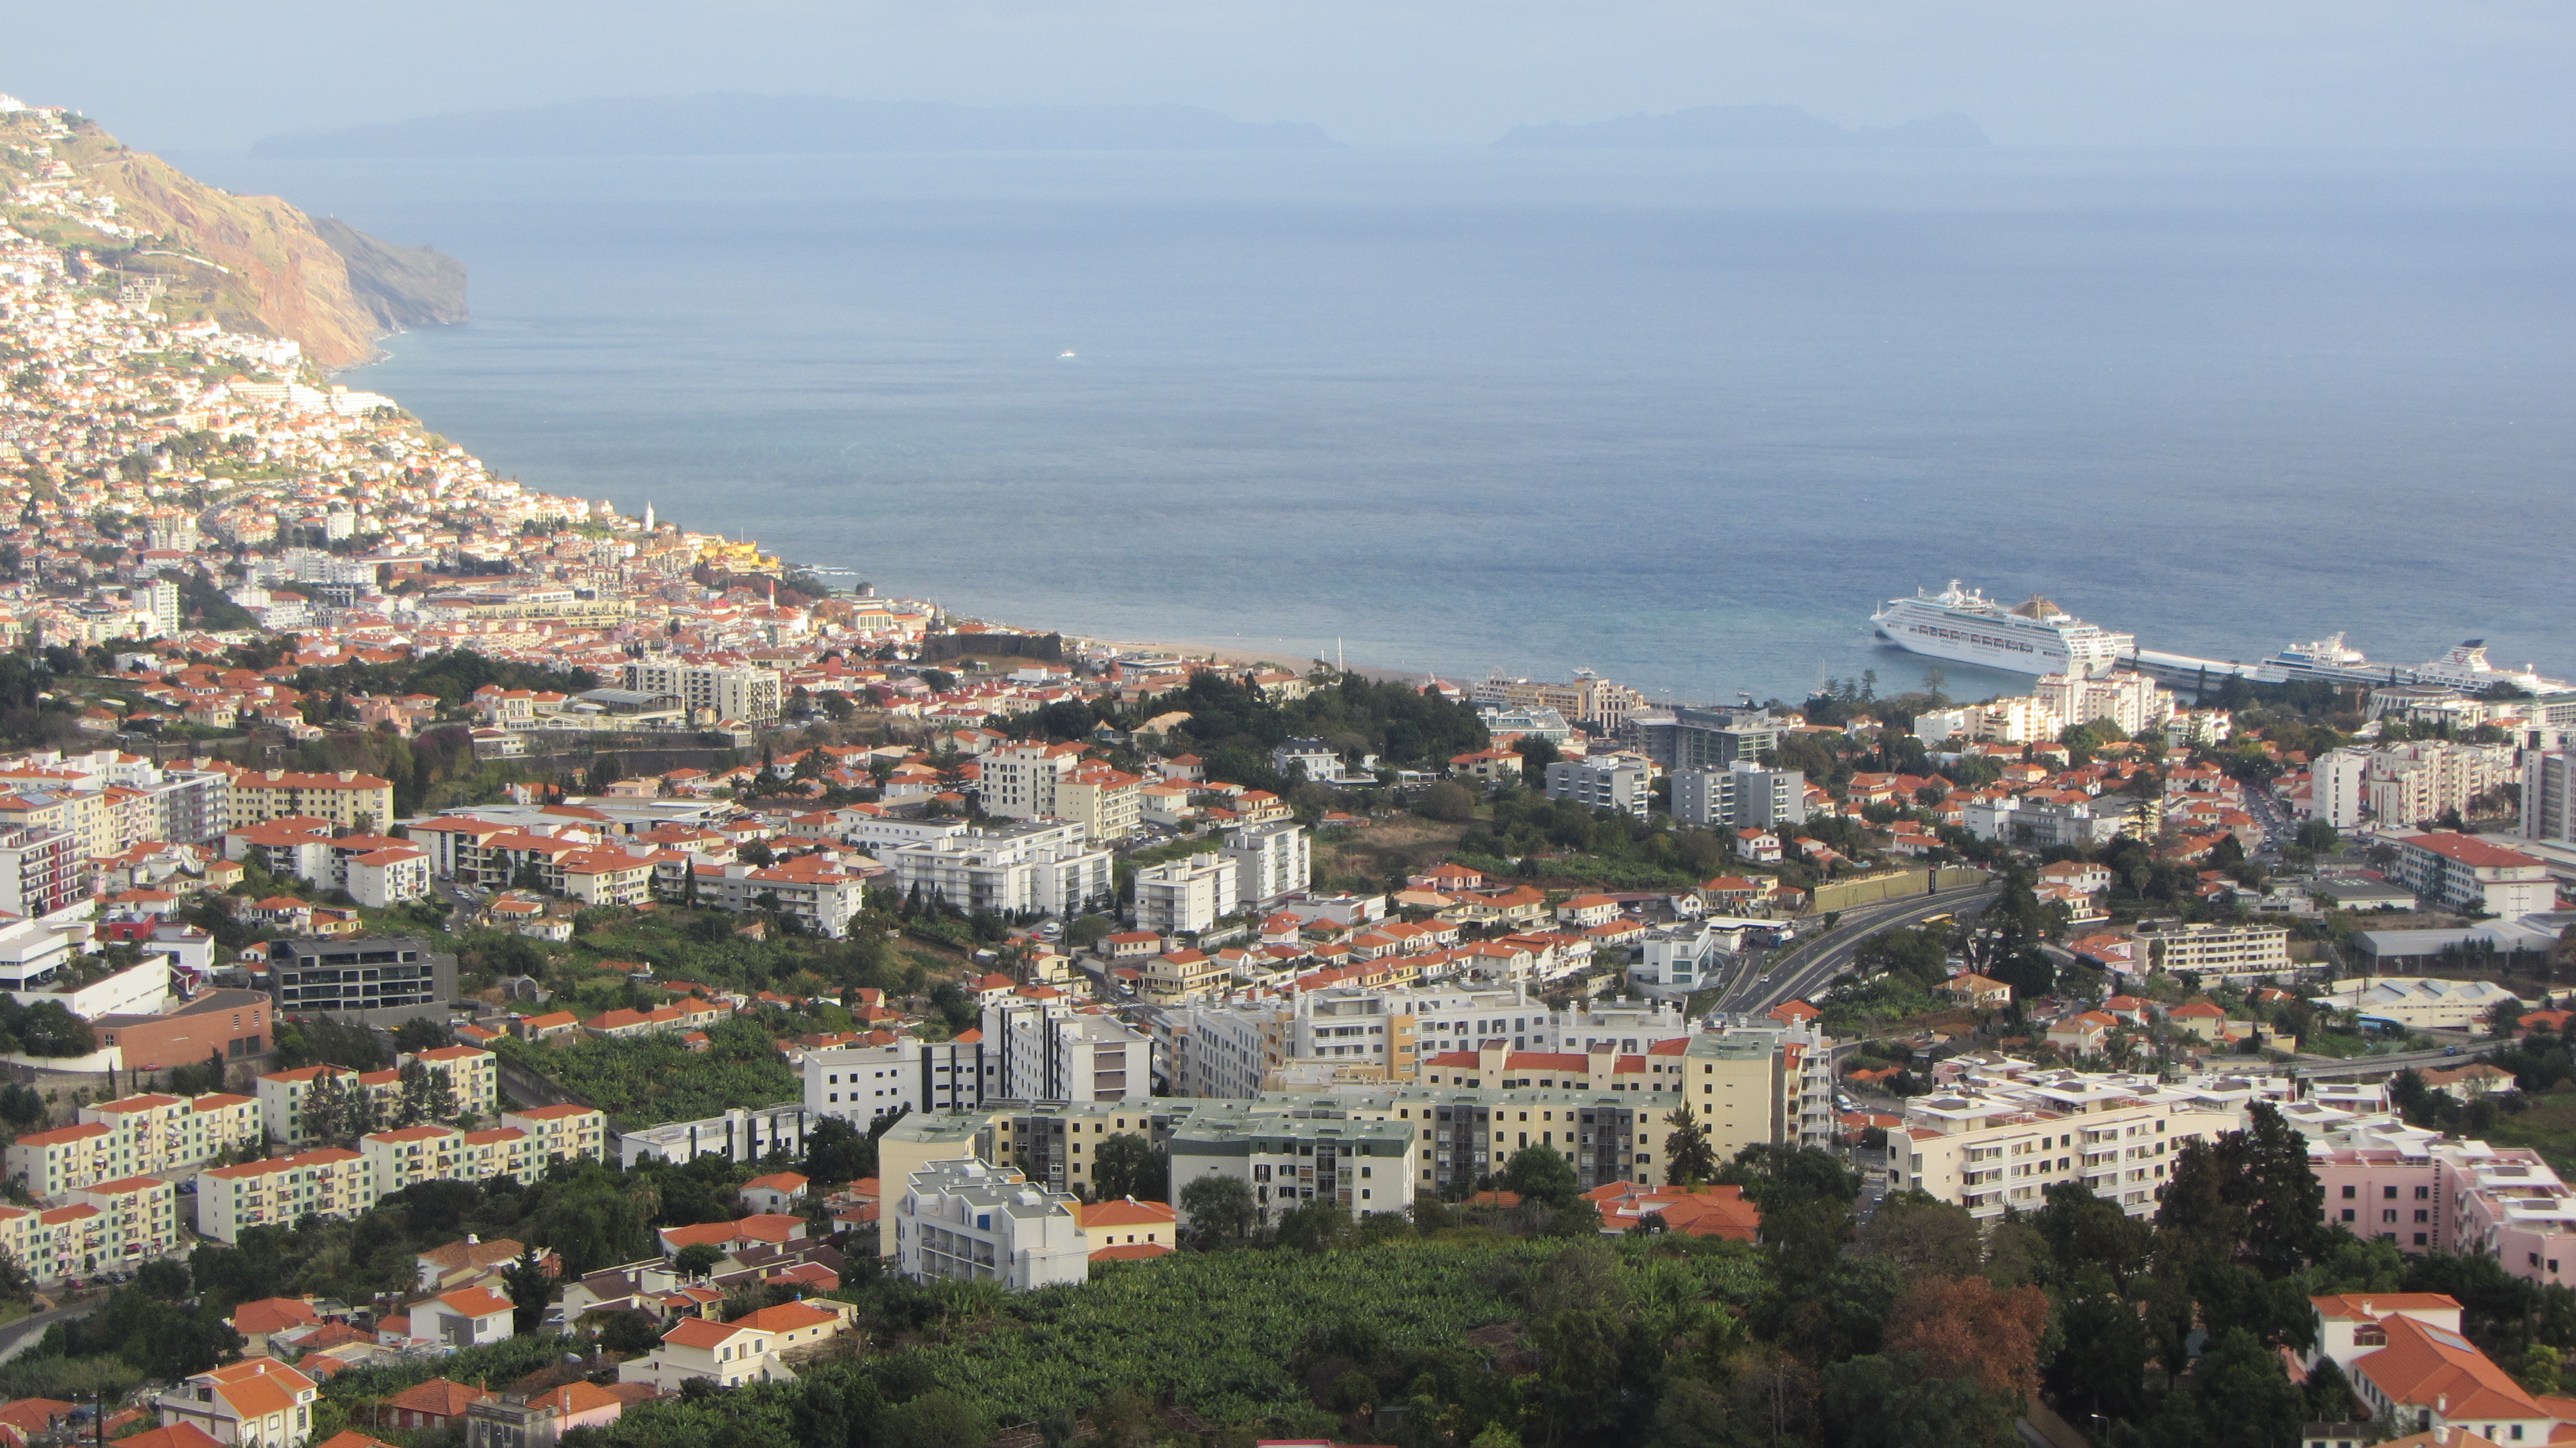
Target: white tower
{"x": 648, "y": 515}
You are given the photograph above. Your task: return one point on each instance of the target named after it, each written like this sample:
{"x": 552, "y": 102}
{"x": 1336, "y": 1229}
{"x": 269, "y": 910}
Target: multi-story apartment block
{"x": 1227, "y": 1048}
{"x": 282, "y": 1190}
{"x": 1286, "y": 1147}
{"x": 1108, "y": 803}
{"x": 105, "y": 1224}
{"x": 1743, "y": 795}
{"x": 1271, "y": 862}
{"x": 1047, "y": 1050}
{"x": 473, "y": 1074}
{"x": 1019, "y": 781}
{"x": 132, "y": 1136}
{"x": 1620, "y": 782}
{"x": 2242, "y": 952}
{"x": 1594, "y": 702}
{"x": 348, "y": 799}
{"x": 2002, "y": 1143}
{"x": 2465, "y": 873}
{"x": 1706, "y": 738}
{"x": 2390, "y": 1182}
{"x": 967, "y": 1221}
{"x": 190, "y": 807}
{"x": 559, "y": 1133}
{"x": 1287, "y": 1154}
{"x": 2549, "y": 796}
{"x": 283, "y": 1096}
{"x": 715, "y": 691}
{"x": 738, "y": 1135}
{"x": 411, "y": 1154}
{"x": 1045, "y": 867}
{"x": 1187, "y": 895}
{"x": 2131, "y": 702}
{"x": 376, "y": 980}
{"x": 2416, "y": 783}
{"x": 1362, "y": 1034}
{"x": 2335, "y": 786}
{"x": 812, "y": 887}
{"x": 39, "y": 870}
{"x": 866, "y": 1084}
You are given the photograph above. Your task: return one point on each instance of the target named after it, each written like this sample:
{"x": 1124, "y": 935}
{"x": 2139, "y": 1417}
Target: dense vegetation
{"x": 644, "y": 1079}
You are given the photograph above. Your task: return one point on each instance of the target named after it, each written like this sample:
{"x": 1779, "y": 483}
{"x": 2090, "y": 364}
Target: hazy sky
{"x": 182, "y": 74}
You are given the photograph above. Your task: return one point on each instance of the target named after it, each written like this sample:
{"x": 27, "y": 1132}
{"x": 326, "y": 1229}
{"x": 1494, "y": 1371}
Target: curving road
{"x": 1823, "y": 957}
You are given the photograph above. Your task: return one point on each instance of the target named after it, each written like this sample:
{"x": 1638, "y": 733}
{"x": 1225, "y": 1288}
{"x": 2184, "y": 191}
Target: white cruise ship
{"x": 2036, "y": 637}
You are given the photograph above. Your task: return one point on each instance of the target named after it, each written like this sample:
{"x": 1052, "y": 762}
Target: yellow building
{"x": 348, "y": 799}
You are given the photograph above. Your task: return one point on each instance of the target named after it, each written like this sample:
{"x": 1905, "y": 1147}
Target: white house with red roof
{"x": 256, "y": 1403}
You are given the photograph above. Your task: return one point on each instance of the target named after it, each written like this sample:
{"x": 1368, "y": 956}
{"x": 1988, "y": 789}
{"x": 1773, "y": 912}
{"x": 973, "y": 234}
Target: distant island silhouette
{"x": 732, "y": 125}
{"x": 1718, "y": 126}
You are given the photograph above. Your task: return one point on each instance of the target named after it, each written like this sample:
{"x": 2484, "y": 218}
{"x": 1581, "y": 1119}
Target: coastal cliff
{"x": 251, "y": 263}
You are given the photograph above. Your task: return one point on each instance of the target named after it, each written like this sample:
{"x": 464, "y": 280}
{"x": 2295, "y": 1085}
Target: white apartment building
{"x": 1047, "y": 1050}
{"x": 1040, "y": 867}
{"x": 282, "y": 1190}
{"x": 1232, "y": 1049}
{"x": 2017, "y": 820}
{"x": 739, "y": 1135}
{"x": 2002, "y": 1143}
{"x": 1686, "y": 957}
{"x": 105, "y": 1224}
{"x": 1289, "y": 1153}
{"x": 1621, "y": 782}
{"x": 2023, "y": 719}
{"x": 722, "y": 691}
{"x": 2132, "y": 702}
{"x": 2549, "y": 795}
{"x": 1018, "y": 781}
{"x": 1187, "y": 895}
{"x": 1271, "y": 862}
{"x": 2335, "y": 781}
{"x": 408, "y": 1155}
{"x": 2466, "y": 873}
{"x": 131, "y": 1137}
{"x": 1741, "y": 796}
{"x": 2414, "y": 783}
{"x": 866, "y": 1084}
{"x": 2242, "y": 952}
{"x": 964, "y": 1221}
{"x": 813, "y": 888}
{"x": 1055, "y": 781}
{"x": 1227, "y": 1048}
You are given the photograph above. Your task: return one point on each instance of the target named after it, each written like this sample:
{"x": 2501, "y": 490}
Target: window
{"x": 2388, "y": 1216}
{"x": 2348, "y": 1193}
{"x": 2388, "y": 1193}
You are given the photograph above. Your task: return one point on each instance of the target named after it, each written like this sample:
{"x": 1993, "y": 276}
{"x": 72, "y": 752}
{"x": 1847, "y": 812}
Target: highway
{"x": 1819, "y": 959}
{"x": 2315, "y": 1068}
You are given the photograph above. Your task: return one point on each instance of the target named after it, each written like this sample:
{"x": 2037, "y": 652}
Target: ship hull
{"x": 1966, "y": 643}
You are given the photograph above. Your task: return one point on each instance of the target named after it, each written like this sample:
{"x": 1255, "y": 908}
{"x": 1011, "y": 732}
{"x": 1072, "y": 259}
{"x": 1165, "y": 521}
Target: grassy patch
{"x": 2548, "y": 1126}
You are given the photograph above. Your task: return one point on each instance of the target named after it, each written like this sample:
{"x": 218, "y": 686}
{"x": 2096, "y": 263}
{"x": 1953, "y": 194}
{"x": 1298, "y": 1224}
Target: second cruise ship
{"x": 2036, "y": 637}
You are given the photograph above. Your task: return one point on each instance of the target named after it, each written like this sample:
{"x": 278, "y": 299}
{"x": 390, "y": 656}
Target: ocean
{"x": 1683, "y": 418}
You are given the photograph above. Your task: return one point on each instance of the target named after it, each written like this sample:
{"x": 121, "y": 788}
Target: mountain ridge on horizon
{"x": 724, "y": 124}
{"x": 1746, "y": 126}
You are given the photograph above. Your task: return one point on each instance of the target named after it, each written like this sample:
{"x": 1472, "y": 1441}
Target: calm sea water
{"x": 1681, "y": 418}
